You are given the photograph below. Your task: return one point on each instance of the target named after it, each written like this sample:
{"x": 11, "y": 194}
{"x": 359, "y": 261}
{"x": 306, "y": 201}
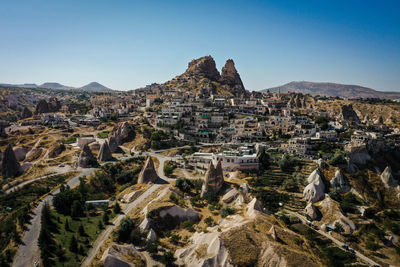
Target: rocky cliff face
{"x": 348, "y": 114}
{"x": 9, "y": 164}
{"x": 203, "y": 78}
{"x": 231, "y": 77}
{"x": 203, "y": 67}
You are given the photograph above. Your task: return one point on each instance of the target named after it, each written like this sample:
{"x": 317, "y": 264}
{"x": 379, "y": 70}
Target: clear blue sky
{"x": 128, "y": 44}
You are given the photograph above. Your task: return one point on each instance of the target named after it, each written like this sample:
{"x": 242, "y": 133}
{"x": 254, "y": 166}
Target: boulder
{"x": 104, "y": 153}
{"x": 315, "y": 175}
{"x": 122, "y": 256}
{"x": 26, "y": 113}
{"x": 387, "y": 178}
{"x": 148, "y": 174}
{"x": 340, "y": 182}
{"x": 253, "y": 208}
{"x": 82, "y": 141}
{"x": 230, "y": 196}
{"x": 315, "y": 191}
{"x": 239, "y": 201}
{"x": 20, "y": 153}
{"x": 312, "y": 211}
{"x": 124, "y": 133}
{"x": 9, "y": 164}
{"x": 213, "y": 180}
{"x": 182, "y": 214}
{"x": 131, "y": 196}
{"x": 86, "y": 158}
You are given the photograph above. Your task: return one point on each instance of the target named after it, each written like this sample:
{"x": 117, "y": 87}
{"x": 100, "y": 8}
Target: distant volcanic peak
{"x": 203, "y": 67}
{"x": 95, "y": 86}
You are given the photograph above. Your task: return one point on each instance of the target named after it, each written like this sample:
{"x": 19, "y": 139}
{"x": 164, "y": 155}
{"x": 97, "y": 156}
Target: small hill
{"x": 202, "y": 78}
{"x": 333, "y": 89}
{"x": 52, "y": 85}
{"x": 94, "y": 86}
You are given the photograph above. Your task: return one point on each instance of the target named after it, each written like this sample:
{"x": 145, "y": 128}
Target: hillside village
{"x": 198, "y": 171}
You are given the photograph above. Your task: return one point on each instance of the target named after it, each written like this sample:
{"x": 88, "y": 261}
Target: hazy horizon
{"x": 126, "y": 45}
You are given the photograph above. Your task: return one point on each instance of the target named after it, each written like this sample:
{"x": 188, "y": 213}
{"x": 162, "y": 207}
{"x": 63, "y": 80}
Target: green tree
{"x": 105, "y": 218}
{"x": 77, "y": 209}
{"x": 117, "y": 208}
{"x": 73, "y": 245}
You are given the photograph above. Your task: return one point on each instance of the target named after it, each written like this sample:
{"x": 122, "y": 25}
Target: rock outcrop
{"x": 20, "y": 153}
{"x": 315, "y": 175}
{"x": 213, "y": 180}
{"x": 332, "y": 214}
{"x": 112, "y": 143}
{"x": 387, "y": 178}
{"x": 9, "y": 164}
{"x": 231, "y": 78}
{"x": 83, "y": 141}
{"x": 53, "y": 105}
{"x": 210, "y": 245}
{"x": 253, "y": 208}
{"x": 312, "y": 211}
{"x": 122, "y": 256}
{"x": 273, "y": 234}
{"x": 124, "y": 133}
{"x": 104, "y": 153}
{"x": 26, "y": 113}
{"x": 182, "y": 214}
{"x": 131, "y": 196}
{"x": 86, "y": 158}
{"x": 340, "y": 182}
{"x": 203, "y": 67}
{"x": 314, "y": 191}
{"x": 148, "y": 174}
{"x": 245, "y": 188}
{"x": 348, "y": 114}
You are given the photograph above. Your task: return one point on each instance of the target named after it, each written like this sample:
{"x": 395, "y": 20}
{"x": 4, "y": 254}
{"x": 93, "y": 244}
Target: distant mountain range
{"x": 333, "y": 89}
{"x": 93, "y": 86}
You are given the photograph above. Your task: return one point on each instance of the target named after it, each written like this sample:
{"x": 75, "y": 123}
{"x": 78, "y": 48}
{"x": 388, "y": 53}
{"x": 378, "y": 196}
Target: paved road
{"x": 105, "y": 234}
{"x": 364, "y": 258}
{"x": 28, "y": 251}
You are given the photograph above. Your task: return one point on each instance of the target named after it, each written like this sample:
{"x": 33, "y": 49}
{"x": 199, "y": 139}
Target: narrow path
{"x": 364, "y": 258}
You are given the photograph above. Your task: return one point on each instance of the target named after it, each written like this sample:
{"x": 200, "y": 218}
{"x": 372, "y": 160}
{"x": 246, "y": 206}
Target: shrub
{"x": 227, "y": 211}
{"x": 184, "y": 185}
